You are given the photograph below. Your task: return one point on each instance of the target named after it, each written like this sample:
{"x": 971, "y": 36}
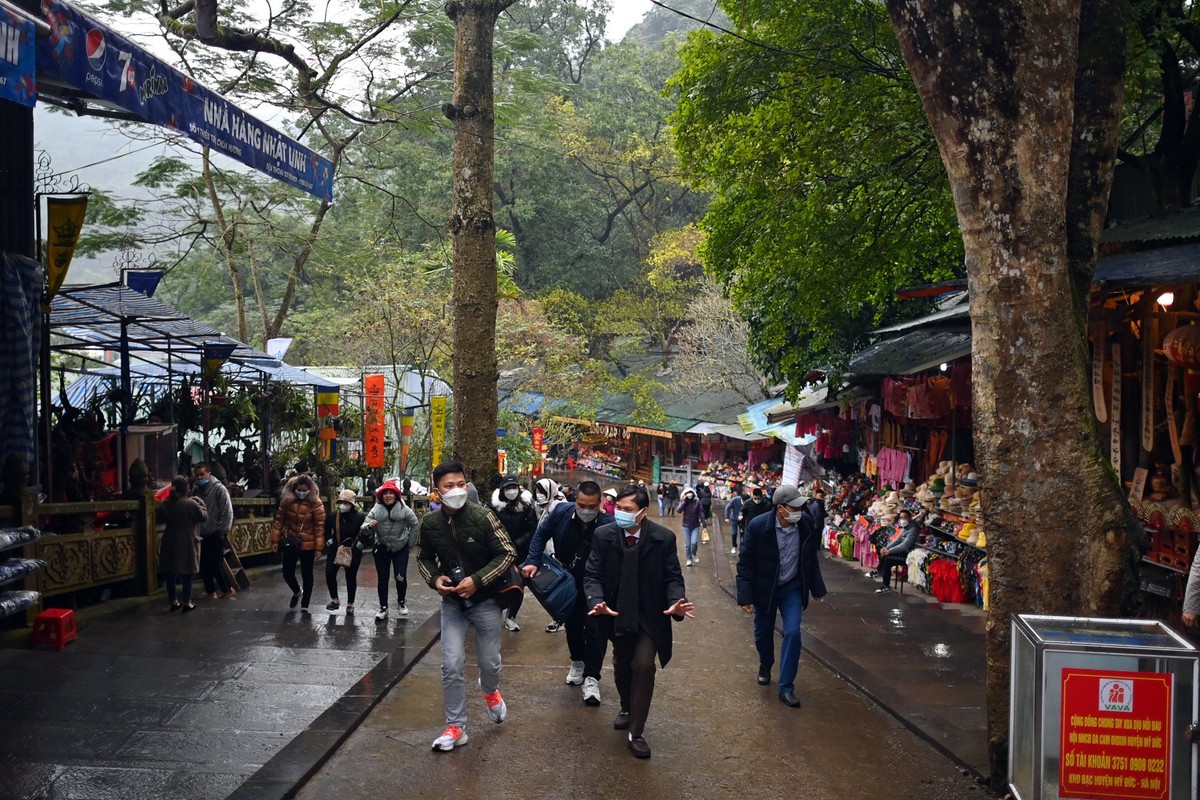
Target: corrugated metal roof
{"x": 911, "y": 353}
{"x": 1178, "y": 264}
{"x": 1178, "y": 225}
{"x": 958, "y": 312}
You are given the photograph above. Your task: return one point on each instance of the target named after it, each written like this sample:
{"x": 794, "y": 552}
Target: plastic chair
{"x": 54, "y": 627}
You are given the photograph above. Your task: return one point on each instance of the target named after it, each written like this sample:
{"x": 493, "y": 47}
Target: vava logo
{"x": 1116, "y": 695}
{"x": 96, "y": 48}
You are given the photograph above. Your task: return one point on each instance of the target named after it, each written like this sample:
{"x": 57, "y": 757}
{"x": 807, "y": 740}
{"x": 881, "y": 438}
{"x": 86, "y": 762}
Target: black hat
{"x": 509, "y": 480}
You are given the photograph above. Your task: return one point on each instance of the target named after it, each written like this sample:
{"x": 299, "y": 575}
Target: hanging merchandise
{"x": 1115, "y": 437}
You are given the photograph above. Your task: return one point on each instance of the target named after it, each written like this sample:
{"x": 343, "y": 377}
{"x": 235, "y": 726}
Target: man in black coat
{"x": 757, "y": 504}
{"x": 779, "y": 569}
{"x": 634, "y": 586}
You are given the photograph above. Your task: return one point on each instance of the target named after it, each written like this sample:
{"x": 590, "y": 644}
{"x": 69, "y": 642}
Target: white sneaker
{"x": 575, "y": 674}
{"x": 496, "y": 708}
{"x": 689, "y": 562}
{"x": 733, "y": 551}
{"x": 381, "y": 615}
{"x": 402, "y": 610}
{"x": 554, "y": 627}
{"x": 510, "y": 624}
{"x": 591, "y": 692}
{"x": 452, "y": 738}
{"x": 696, "y": 559}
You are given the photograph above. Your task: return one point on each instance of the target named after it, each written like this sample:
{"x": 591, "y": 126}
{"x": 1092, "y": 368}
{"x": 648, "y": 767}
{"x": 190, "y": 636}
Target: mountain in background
{"x": 659, "y": 23}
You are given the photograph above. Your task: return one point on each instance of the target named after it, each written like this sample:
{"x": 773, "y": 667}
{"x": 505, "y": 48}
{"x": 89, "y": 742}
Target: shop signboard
{"x": 86, "y": 55}
{"x": 374, "y": 433}
{"x": 1116, "y": 734}
{"x": 437, "y": 425}
{"x": 17, "y": 67}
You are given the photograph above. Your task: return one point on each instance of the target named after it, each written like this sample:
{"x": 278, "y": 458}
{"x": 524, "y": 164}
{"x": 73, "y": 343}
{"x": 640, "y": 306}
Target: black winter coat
{"x": 520, "y": 520}
{"x": 758, "y": 563}
{"x": 752, "y": 508}
{"x": 660, "y": 580}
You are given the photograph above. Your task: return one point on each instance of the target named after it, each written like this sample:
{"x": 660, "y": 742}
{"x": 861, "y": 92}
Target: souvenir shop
{"x": 747, "y": 463}
{"x": 909, "y": 447}
{"x": 603, "y": 450}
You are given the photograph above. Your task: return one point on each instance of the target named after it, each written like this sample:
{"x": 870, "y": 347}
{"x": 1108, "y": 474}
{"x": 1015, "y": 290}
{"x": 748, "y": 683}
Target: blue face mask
{"x": 202, "y": 482}
{"x": 625, "y": 519}
{"x": 301, "y": 493}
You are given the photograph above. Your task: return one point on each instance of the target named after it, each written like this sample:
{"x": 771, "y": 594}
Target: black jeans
{"x": 351, "y": 574}
{"x": 185, "y": 592}
{"x": 585, "y": 641}
{"x": 885, "y": 566}
{"x": 211, "y": 570}
{"x": 397, "y": 564}
{"x": 305, "y": 558}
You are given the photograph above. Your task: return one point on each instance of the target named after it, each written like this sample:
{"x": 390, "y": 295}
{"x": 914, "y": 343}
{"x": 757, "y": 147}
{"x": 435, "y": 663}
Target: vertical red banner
{"x": 1116, "y": 734}
{"x": 537, "y": 435}
{"x": 374, "y": 432}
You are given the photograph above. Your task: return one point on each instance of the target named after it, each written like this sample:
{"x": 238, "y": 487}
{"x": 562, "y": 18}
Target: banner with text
{"x": 64, "y": 221}
{"x": 17, "y": 66}
{"x": 84, "y": 54}
{"x": 437, "y": 426}
{"x": 374, "y": 434}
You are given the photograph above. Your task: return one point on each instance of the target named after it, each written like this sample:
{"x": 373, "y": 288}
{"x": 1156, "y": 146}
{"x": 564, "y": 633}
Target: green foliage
{"x": 829, "y": 192}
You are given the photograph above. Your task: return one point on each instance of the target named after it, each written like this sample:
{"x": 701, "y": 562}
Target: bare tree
{"x": 713, "y": 350}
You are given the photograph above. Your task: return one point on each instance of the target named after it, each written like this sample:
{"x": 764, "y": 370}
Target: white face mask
{"x": 302, "y": 493}
{"x": 455, "y": 498}
{"x": 344, "y": 507}
{"x": 795, "y": 516}
{"x": 512, "y": 494}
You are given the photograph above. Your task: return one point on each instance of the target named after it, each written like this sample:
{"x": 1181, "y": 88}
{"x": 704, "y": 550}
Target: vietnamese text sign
{"x": 88, "y": 56}
{"x": 437, "y": 426}
{"x": 17, "y": 67}
{"x": 1116, "y": 734}
{"x": 373, "y": 420}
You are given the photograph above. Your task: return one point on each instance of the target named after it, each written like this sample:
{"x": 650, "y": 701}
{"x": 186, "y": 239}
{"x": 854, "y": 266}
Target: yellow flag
{"x": 437, "y": 415}
{"x": 64, "y": 220}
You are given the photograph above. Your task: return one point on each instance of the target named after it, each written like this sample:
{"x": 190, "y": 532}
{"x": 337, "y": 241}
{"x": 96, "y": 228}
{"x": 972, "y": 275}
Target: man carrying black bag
{"x": 571, "y": 526}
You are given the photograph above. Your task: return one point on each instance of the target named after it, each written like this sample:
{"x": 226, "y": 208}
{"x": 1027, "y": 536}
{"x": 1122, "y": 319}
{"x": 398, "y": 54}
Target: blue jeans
{"x": 485, "y": 617}
{"x": 691, "y": 541}
{"x": 789, "y": 599}
{"x": 661, "y": 508}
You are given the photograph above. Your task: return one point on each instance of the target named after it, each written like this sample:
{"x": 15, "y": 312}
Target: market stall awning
{"x": 1179, "y": 264}
{"x": 911, "y": 353}
{"x": 728, "y": 431}
{"x": 86, "y": 66}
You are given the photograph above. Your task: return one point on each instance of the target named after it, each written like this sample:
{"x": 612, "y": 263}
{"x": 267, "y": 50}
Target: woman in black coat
{"x": 179, "y": 549}
{"x": 341, "y": 528}
{"x": 514, "y": 506}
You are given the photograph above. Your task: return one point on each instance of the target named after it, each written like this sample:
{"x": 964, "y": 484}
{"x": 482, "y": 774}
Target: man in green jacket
{"x": 463, "y": 550}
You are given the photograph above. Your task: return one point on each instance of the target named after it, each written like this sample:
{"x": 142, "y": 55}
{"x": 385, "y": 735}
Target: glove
{"x": 328, "y": 543}
{"x": 358, "y": 545}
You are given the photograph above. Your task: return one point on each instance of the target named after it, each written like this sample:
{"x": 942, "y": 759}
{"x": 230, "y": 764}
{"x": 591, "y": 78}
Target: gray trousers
{"x": 485, "y": 617}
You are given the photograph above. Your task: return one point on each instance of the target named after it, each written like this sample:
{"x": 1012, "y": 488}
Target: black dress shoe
{"x": 764, "y": 676}
{"x": 789, "y": 699}
{"x": 639, "y": 747}
{"x": 621, "y": 723}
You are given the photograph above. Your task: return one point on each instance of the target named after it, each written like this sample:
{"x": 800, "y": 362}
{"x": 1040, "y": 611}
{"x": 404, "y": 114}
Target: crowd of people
{"x": 626, "y": 581}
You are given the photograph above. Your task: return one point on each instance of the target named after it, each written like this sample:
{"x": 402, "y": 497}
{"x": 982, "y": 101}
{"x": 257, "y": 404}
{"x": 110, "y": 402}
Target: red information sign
{"x": 537, "y": 435}
{"x": 373, "y": 428}
{"x": 1116, "y": 734}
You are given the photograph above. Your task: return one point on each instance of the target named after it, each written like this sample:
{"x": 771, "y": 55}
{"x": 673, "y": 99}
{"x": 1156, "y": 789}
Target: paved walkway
{"x": 715, "y": 733}
{"x": 248, "y": 699}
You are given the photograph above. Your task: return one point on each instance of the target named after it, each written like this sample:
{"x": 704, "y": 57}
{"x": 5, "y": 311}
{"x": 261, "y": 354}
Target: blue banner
{"x": 17, "y": 59}
{"x": 87, "y": 55}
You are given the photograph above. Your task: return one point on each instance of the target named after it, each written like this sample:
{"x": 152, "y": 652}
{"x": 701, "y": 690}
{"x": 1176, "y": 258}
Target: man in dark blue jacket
{"x": 779, "y": 570}
{"x": 570, "y": 526}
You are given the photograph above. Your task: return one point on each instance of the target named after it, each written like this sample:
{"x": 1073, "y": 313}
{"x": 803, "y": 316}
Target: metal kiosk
{"x": 1102, "y": 708}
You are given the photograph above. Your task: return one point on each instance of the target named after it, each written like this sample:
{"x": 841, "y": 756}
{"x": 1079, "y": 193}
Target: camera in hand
{"x": 456, "y": 577}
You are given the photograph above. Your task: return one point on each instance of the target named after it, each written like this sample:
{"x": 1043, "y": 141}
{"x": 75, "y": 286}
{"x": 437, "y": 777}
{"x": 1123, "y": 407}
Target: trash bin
{"x": 1101, "y": 708}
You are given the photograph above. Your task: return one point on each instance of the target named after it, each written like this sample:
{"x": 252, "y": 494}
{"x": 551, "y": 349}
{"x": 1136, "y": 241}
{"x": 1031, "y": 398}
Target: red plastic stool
{"x": 54, "y": 627}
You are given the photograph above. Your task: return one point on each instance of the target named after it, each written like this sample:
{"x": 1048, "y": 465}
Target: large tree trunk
{"x": 474, "y": 296}
{"x": 1024, "y": 99}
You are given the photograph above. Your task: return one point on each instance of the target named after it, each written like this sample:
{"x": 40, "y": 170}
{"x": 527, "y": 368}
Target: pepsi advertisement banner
{"x": 85, "y": 54}
{"x": 16, "y": 59}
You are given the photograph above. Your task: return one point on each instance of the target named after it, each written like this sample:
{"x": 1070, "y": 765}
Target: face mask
{"x": 795, "y": 516}
{"x": 202, "y": 482}
{"x": 301, "y": 493}
{"x": 455, "y": 498}
{"x": 344, "y": 507}
{"x": 587, "y": 514}
{"x": 512, "y": 494}
{"x": 625, "y": 519}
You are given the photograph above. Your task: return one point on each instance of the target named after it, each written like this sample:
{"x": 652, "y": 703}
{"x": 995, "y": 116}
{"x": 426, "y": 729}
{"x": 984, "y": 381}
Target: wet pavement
{"x": 714, "y": 732}
{"x": 150, "y": 704}
{"x": 244, "y": 698}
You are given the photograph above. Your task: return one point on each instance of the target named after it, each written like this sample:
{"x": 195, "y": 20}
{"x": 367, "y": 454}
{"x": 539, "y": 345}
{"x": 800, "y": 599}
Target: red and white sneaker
{"x": 452, "y": 738}
{"x": 495, "y": 706}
